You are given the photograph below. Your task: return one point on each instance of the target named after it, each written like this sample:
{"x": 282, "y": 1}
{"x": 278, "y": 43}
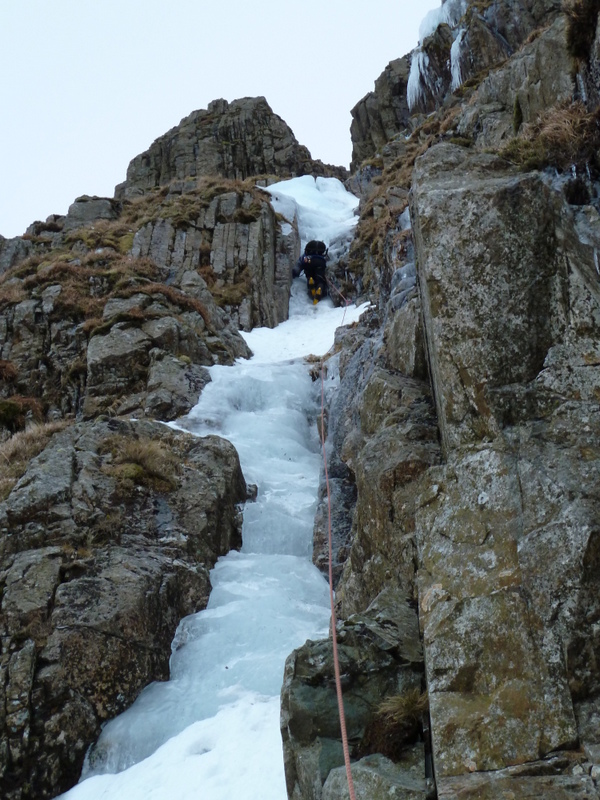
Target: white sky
{"x": 86, "y": 85}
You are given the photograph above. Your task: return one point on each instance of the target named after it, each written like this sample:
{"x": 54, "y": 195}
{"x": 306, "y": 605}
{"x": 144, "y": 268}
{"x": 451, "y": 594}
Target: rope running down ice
{"x": 346, "y": 302}
{"x": 336, "y": 661}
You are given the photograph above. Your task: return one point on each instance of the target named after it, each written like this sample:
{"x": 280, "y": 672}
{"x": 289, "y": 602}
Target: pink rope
{"x": 336, "y": 661}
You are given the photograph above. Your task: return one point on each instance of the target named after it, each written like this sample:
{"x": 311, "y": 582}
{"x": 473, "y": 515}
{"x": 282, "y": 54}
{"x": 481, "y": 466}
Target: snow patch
{"x": 324, "y": 210}
{"x": 450, "y": 13}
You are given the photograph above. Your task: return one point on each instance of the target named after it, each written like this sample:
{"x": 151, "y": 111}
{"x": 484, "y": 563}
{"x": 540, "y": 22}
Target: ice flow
{"x": 212, "y": 730}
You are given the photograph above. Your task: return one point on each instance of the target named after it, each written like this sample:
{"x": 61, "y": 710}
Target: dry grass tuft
{"x": 115, "y": 234}
{"x": 564, "y": 136}
{"x": 15, "y": 409}
{"x": 140, "y": 462}
{"x": 11, "y": 294}
{"x": 17, "y": 452}
{"x": 397, "y": 723}
{"x": 8, "y": 371}
{"x": 404, "y": 709}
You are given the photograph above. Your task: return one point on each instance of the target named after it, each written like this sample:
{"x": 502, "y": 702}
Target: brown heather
{"x": 8, "y": 371}
{"x": 563, "y": 136}
{"x": 17, "y": 452}
{"x": 397, "y": 724}
{"x": 140, "y": 462}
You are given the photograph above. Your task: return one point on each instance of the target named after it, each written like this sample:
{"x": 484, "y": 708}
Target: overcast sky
{"x": 86, "y": 85}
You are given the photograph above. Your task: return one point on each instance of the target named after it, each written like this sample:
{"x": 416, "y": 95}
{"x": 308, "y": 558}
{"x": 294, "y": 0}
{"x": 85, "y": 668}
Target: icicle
{"x": 582, "y": 90}
{"x": 455, "y": 59}
{"x": 596, "y": 261}
{"x": 418, "y": 78}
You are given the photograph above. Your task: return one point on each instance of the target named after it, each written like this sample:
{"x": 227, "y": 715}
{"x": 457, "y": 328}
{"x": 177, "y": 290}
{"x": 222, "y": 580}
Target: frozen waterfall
{"x": 212, "y": 730}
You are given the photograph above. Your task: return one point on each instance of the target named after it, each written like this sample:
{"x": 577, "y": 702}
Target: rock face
{"x": 515, "y": 492}
{"x": 463, "y": 423}
{"x": 122, "y": 313}
{"x": 382, "y": 113}
{"x": 464, "y": 432}
{"x": 109, "y": 527}
{"x": 484, "y": 37}
{"x": 539, "y": 76}
{"x": 380, "y": 654}
{"x": 106, "y": 543}
{"x": 12, "y": 251}
{"x": 235, "y": 140}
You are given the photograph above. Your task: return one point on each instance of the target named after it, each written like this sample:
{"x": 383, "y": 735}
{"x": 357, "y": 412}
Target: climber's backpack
{"x": 314, "y": 248}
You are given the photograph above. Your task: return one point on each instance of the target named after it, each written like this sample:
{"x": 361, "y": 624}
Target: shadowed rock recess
{"x": 463, "y": 430}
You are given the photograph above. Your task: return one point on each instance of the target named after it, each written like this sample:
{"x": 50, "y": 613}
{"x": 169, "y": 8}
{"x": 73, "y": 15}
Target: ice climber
{"x": 313, "y": 263}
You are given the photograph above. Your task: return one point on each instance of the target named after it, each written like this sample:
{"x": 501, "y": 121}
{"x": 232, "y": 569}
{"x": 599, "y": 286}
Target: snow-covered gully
{"x": 212, "y": 731}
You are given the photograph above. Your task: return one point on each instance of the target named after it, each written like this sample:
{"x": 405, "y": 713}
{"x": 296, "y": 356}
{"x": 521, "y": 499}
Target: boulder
{"x": 86, "y": 210}
{"x": 106, "y": 542}
{"x": 377, "y": 778}
{"x": 174, "y": 386}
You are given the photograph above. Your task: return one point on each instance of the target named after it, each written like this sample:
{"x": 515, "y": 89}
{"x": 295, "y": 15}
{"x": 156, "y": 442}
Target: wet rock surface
{"x": 106, "y": 543}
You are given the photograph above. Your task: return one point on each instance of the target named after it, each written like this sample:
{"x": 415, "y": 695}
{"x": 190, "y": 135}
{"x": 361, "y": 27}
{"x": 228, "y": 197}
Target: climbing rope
{"x": 336, "y": 661}
{"x": 337, "y": 291}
